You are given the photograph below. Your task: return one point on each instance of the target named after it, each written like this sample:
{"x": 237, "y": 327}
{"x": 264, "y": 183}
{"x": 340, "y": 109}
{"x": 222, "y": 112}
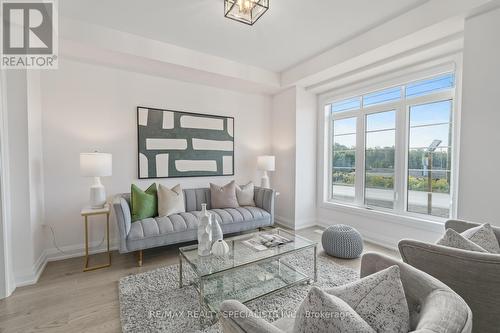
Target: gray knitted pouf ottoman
{"x": 342, "y": 241}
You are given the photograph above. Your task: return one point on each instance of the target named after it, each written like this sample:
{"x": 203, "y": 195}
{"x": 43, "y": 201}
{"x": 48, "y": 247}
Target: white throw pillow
{"x": 453, "y": 239}
{"x": 484, "y": 236}
{"x": 379, "y": 299}
{"x": 245, "y": 194}
{"x": 170, "y": 201}
{"x": 324, "y": 313}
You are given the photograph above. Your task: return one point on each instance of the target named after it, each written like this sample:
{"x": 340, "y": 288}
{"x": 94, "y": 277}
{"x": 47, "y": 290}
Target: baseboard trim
{"x": 78, "y": 250}
{"x": 295, "y": 225}
{"x": 38, "y": 268}
{"x": 306, "y": 224}
{"x": 284, "y": 222}
{"x": 53, "y": 254}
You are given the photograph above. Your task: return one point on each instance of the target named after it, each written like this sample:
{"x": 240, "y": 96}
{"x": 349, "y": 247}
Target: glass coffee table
{"x": 246, "y": 273}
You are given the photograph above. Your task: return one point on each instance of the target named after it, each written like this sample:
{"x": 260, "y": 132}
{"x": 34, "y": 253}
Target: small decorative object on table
{"x": 216, "y": 229}
{"x": 220, "y": 248}
{"x": 342, "y": 241}
{"x": 204, "y": 232}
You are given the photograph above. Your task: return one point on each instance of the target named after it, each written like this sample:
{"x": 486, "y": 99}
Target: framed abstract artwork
{"x": 183, "y": 144}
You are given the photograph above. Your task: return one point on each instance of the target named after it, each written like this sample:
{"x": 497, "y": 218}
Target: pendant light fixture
{"x": 245, "y": 11}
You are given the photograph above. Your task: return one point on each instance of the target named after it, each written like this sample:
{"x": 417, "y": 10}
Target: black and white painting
{"x": 183, "y": 144}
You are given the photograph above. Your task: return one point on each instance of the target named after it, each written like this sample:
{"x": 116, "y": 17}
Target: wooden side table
{"x": 86, "y": 212}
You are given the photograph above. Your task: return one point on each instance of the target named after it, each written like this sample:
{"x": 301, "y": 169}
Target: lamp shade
{"x": 95, "y": 164}
{"x": 265, "y": 163}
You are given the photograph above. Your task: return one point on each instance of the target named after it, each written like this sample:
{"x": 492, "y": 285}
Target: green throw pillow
{"x": 144, "y": 203}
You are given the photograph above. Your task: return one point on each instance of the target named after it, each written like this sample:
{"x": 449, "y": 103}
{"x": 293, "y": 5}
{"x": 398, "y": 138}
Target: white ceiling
{"x": 289, "y": 33}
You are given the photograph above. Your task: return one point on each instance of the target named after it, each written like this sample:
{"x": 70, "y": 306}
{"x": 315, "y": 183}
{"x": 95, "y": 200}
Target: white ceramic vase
{"x": 220, "y": 248}
{"x": 204, "y": 232}
{"x": 216, "y": 230}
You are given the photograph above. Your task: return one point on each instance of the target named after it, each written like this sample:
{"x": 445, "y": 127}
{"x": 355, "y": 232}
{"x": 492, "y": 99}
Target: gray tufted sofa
{"x": 178, "y": 228}
{"x": 434, "y": 307}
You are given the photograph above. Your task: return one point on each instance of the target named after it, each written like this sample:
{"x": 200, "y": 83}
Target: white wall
{"x": 480, "y": 134}
{"x": 7, "y": 278}
{"x": 294, "y": 145}
{"x": 283, "y": 146}
{"x": 88, "y": 107}
{"x": 305, "y": 159}
{"x": 35, "y": 156}
{"x": 18, "y": 146}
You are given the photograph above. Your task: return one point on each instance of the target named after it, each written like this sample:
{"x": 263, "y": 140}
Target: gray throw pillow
{"x": 170, "y": 201}
{"x": 223, "y": 196}
{"x": 453, "y": 239}
{"x": 379, "y": 299}
{"x": 244, "y": 194}
{"x": 324, "y": 313}
{"x": 484, "y": 236}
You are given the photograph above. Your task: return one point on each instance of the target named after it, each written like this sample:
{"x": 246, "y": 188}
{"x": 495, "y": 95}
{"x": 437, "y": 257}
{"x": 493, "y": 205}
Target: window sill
{"x": 433, "y": 225}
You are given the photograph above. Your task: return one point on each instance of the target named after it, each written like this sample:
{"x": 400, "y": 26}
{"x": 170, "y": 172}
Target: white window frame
{"x": 402, "y": 108}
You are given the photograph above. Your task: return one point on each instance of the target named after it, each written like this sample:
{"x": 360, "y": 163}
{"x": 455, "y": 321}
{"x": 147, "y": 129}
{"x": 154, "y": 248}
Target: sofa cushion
{"x": 170, "y": 201}
{"x": 223, "y": 196}
{"x": 483, "y": 236}
{"x": 144, "y": 204}
{"x": 324, "y": 313}
{"x": 451, "y": 238}
{"x": 151, "y": 227}
{"x": 379, "y": 299}
{"x": 245, "y": 194}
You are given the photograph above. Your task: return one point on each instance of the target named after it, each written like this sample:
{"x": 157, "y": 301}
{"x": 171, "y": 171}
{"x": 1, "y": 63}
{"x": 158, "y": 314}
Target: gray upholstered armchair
{"x": 434, "y": 308}
{"x": 473, "y": 275}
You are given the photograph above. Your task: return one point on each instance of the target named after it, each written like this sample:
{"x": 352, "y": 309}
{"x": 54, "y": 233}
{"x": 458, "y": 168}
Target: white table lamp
{"x": 266, "y": 163}
{"x": 96, "y": 165}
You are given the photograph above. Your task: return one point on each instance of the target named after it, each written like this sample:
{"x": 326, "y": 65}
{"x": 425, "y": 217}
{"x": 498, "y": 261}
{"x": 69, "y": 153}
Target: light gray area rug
{"x": 153, "y": 302}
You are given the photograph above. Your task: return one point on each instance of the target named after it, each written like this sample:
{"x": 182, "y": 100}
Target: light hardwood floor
{"x": 68, "y": 300}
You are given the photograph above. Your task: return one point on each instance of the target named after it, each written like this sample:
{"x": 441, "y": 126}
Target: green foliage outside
{"x": 376, "y": 181}
{"x": 383, "y": 158}
{"x": 387, "y": 182}
{"x": 422, "y": 184}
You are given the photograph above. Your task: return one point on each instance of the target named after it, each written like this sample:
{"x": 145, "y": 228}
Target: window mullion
{"x": 360, "y": 161}
{"x": 400, "y": 158}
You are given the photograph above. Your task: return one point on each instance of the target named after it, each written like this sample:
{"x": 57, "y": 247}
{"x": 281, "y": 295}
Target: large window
{"x": 344, "y": 159}
{"x": 379, "y": 159}
{"x": 391, "y": 149}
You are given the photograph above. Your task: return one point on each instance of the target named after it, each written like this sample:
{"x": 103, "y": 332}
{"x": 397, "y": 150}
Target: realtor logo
{"x": 29, "y": 37}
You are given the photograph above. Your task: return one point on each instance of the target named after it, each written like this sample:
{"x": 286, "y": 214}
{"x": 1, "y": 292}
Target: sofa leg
{"x": 139, "y": 258}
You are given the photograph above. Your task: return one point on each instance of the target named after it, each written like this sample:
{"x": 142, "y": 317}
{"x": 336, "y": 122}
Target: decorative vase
{"x": 216, "y": 229}
{"x": 220, "y": 248}
{"x": 204, "y": 232}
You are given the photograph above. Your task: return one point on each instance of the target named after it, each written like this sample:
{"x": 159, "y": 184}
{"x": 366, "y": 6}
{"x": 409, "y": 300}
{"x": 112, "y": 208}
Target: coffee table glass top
{"x": 241, "y": 254}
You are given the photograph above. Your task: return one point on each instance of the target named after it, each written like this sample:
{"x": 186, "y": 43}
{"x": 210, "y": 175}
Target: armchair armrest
{"x": 412, "y": 250}
{"x": 123, "y": 219}
{"x": 264, "y": 198}
{"x": 237, "y": 318}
